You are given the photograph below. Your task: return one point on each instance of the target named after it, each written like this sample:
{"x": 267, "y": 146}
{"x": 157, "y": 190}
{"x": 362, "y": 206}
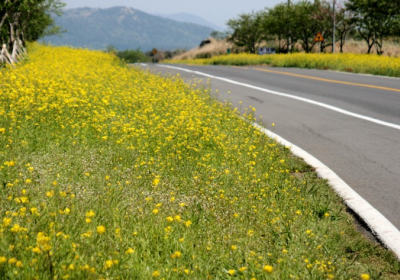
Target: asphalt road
{"x": 364, "y": 153}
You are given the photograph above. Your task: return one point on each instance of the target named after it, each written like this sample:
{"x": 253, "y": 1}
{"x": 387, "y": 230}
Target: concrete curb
{"x": 382, "y": 228}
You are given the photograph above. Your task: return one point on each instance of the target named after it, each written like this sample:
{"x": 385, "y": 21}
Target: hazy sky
{"x": 214, "y": 11}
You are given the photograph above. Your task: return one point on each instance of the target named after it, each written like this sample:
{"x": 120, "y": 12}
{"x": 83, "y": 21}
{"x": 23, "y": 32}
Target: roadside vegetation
{"x": 294, "y": 26}
{"x": 138, "y": 56}
{"x": 357, "y": 63}
{"x": 133, "y": 56}
{"x": 366, "y": 37}
{"x": 110, "y": 172}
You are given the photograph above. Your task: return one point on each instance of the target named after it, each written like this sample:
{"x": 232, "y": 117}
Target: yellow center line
{"x": 327, "y": 80}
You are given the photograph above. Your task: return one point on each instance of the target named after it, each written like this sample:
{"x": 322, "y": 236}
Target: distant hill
{"x": 184, "y": 17}
{"x": 125, "y": 28}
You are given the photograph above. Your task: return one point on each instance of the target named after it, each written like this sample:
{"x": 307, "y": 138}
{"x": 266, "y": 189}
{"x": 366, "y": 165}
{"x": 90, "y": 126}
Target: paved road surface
{"x": 366, "y": 155}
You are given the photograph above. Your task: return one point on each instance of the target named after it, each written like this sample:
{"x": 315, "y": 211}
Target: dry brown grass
{"x": 216, "y": 47}
{"x": 390, "y": 47}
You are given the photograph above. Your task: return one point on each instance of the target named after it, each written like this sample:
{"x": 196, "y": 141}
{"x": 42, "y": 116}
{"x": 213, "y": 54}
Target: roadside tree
{"x": 246, "y": 31}
{"x": 278, "y": 22}
{"x": 375, "y": 20}
{"x": 344, "y": 24}
{"x": 306, "y": 26}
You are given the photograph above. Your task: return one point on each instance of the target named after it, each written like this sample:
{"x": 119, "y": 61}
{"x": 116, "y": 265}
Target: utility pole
{"x": 288, "y": 38}
{"x": 334, "y": 26}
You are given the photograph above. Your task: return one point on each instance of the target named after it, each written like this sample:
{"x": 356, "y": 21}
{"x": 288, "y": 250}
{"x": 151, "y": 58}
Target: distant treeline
{"x": 133, "y": 56}
{"x": 298, "y": 23}
{"x": 138, "y": 56}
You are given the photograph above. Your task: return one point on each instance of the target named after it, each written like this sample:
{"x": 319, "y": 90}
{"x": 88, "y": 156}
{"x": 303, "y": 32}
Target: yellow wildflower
{"x": 7, "y": 222}
{"x": 108, "y": 264}
{"x": 365, "y": 276}
{"x": 156, "y": 182}
{"x": 101, "y": 229}
{"x": 36, "y": 250}
{"x": 188, "y": 223}
{"x": 50, "y": 193}
{"x": 176, "y": 255}
{"x": 87, "y": 234}
{"x": 90, "y": 214}
{"x": 268, "y": 268}
{"x": 16, "y": 228}
{"x": 129, "y": 251}
{"x": 177, "y": 218}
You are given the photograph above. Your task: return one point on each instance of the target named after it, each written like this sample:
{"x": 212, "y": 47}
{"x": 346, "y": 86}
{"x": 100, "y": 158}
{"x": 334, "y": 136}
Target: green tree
{"x": 278, "y": 22}
{"x": 306, "y": 23}
{"x": 133, "y": 56}
{"x": 375, "y": 20}
{"x": 246, "y": 31}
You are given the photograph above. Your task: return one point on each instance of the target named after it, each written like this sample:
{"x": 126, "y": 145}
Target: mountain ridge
{"x": 125, "y": 28}
{"x": 186, "y": 17}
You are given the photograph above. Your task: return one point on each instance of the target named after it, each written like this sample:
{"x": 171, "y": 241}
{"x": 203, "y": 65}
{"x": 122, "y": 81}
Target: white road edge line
{"x": 381, "y": 227}
{"x": 327, "y": 106}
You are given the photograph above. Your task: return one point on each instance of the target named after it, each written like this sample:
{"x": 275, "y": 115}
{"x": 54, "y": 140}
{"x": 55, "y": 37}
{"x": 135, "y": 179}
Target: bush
{"x": 133, "y": 56}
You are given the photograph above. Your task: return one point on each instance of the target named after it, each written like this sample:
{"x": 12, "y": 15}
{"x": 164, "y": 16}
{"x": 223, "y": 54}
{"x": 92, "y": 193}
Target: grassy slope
{"x": 111, "y": 172}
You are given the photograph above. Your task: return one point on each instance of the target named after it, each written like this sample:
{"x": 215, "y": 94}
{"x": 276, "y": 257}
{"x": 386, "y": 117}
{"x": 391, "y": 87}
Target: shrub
{"x": 133, "y": 56}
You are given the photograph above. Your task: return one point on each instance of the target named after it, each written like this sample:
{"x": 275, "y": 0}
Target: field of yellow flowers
{"x": 357, "y": 63}
{"x": 111, "y": 172}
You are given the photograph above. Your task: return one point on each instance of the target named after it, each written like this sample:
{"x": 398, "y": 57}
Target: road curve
{"x": 364, "y": 151}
